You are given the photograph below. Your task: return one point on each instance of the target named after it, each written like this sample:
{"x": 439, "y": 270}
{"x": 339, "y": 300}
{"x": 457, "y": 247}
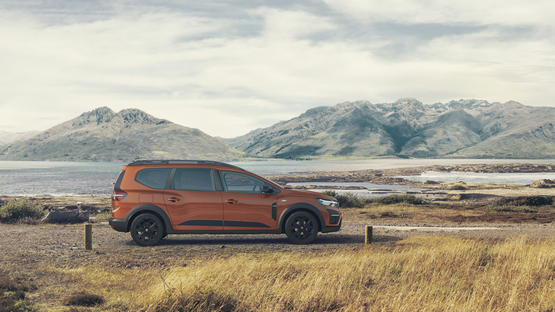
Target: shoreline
{"x": 375, "y": 176}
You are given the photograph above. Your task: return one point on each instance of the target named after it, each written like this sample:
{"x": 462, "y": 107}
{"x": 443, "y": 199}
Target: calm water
{"x": 97, "y": 178}
{"x": 471, "y": 177}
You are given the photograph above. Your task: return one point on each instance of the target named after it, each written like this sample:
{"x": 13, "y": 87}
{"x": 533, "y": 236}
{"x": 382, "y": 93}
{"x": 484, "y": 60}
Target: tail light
{"x": 118, "y": 195}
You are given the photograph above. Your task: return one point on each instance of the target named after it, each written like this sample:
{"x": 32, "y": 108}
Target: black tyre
{"x": 147, "y": 229}
{"x": 301, "y": 227}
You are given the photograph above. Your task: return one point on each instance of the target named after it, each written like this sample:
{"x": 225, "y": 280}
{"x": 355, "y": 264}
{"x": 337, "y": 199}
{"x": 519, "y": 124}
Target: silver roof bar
{"x": 175, "y": 161}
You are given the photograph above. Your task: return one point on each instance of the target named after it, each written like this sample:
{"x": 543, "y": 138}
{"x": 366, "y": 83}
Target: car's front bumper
{"x": 335, "y": 228}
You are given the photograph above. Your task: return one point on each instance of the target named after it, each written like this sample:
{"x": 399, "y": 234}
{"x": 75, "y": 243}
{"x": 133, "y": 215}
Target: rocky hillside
{"x": 103, "y": 135}
{"x": 408, "y": 128}
{"x": 8, "y": 137}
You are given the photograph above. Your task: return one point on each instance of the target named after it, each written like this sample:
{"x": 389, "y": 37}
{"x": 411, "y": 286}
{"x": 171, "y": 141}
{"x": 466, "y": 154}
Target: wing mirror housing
{"x": 266, "y": 189}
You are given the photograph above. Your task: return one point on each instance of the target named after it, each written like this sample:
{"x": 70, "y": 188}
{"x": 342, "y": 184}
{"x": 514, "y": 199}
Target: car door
{"x": 193, "y": 202}
{"x": 245, "y": 206}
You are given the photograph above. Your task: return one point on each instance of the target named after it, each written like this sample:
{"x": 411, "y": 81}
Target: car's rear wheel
{"x": 301, "y": 227}
{"x": 147, "y": 229}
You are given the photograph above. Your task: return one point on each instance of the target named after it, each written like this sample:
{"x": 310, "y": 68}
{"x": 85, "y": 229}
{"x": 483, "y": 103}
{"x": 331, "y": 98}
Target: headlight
{"x": 329, "y": 203}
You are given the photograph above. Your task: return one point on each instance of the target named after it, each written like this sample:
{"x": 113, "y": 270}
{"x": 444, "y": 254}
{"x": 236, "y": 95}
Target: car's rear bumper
{"x": 119, "y": 225}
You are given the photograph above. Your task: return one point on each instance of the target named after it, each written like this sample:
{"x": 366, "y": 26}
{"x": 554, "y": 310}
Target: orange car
{"x": 154, "y": 198}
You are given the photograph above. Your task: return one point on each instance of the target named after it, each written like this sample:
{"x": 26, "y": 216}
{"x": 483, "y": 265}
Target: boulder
{"x": 545, "y": 183}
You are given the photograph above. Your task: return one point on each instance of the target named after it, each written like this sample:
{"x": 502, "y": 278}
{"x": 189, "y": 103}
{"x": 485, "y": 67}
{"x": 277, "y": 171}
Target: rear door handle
{"x": 173, "y": 199}
{"x": 231, "y": 201}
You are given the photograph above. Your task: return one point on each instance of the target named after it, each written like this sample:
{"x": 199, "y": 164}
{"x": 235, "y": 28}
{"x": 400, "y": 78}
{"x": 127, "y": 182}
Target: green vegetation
{"x": 351, "y": 200}
{"x": 20, "y": 211}
{"x": 457, "y": 187}
{"x": 397, "y": 199}
{"x": 533, "y": 201}
{"x": 347, "y": 200}
{"x": 12, "y": 294}
{"x": 527, "y": 204}
{"x": 103, "y": 217}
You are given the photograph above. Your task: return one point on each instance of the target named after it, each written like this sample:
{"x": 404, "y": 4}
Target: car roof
{"x": 175, "y": 161}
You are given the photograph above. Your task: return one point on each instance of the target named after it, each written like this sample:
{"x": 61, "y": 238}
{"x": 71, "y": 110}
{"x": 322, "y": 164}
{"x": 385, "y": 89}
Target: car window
{"x": 193, "y": 179}
{"x": 238, "y": 182}
{"x": 155, "y": 178}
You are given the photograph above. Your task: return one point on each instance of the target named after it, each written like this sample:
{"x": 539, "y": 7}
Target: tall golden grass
{"x": 416, "y": 274}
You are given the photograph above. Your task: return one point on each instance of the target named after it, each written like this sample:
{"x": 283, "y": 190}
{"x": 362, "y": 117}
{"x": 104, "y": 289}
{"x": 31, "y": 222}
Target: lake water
{"x": 97, "y": 178}
{"x": 472, "y": 177}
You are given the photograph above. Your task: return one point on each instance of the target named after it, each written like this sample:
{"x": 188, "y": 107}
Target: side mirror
{"x": 266, "y": 189}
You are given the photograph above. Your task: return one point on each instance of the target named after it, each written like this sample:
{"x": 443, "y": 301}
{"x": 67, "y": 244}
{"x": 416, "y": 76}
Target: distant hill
{"x": 8, "y": 137}
{"x": 103, "y": 135}
{"x": 408, "y": 128}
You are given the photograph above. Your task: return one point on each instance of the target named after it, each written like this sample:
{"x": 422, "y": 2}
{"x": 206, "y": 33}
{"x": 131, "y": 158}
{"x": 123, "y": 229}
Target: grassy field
{"x": 417, "y": 273}
{"x": 423, "y": 273}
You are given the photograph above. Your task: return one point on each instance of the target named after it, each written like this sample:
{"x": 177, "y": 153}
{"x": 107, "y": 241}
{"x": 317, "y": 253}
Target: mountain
{"x": 103, "y": 135}
{"x": 408, "y": 128}
{"x": 8, "y": 137}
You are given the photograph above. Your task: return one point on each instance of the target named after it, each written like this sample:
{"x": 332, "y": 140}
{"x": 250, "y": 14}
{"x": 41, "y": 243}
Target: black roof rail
{"x": 176, "y": 161}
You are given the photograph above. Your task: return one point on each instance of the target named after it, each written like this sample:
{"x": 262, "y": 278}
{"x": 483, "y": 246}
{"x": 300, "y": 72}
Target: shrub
{"x": 347, "y": 200}
{"x": 457, "y": 187}
{"x": 511, "y": 208}
{"x": 351, "y": 200}
{"x": 16, "y": 210}
{"x": 103, "y": 217}
{"x": 331, "y": 193}
{"x": 398, "y": 199}
{"x": 12, "y": 295}
{"x": 83, "y": 299}
{"x": 533, "y": 201}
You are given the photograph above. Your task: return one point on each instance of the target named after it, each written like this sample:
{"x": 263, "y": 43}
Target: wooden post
{"x": 368, "y": 235}
{"x": 88, "y": 236}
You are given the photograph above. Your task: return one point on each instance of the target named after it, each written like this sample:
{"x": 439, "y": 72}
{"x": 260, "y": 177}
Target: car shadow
{"x": 274, "y": 240}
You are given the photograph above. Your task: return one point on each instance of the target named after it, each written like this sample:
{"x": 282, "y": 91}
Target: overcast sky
{"x": 228, "y": 67}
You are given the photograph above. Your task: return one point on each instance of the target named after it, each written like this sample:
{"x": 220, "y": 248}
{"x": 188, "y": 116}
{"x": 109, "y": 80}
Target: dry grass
{"x": 412, "y": 213}
{"x": 418, "y": 273}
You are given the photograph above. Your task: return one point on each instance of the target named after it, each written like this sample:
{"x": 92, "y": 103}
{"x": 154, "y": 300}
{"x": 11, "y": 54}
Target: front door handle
{"x": 231, "y": 201}
{"x": 173, "y": 199}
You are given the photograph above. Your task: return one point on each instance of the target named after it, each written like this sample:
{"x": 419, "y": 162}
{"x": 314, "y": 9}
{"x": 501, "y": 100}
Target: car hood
{"x": 310, "y": 194}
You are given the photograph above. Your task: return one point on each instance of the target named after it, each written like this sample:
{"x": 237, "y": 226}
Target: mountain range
{"x": 103, "y": 135}
{"x": 406, "y": 128}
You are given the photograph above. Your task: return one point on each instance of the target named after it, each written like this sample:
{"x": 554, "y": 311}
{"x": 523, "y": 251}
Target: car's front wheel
{"x": 301, "y": 227}
{"x": 147, "y": 229}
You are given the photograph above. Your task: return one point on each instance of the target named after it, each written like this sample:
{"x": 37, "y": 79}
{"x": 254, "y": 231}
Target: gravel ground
{"x": 63, "y": 244}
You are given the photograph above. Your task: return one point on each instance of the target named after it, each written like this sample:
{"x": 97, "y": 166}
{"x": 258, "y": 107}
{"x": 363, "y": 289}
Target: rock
{"x": 545, "y": 183}
{"x": 66, "y": 217}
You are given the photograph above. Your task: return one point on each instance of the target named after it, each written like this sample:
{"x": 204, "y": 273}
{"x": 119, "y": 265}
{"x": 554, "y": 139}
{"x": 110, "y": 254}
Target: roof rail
{"x": 174, "y": 161}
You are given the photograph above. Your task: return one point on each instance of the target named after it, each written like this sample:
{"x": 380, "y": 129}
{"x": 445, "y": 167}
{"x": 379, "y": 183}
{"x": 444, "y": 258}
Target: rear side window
{"x": 118, "y": 181}
{"x": 155, "y": 178}
{"x": 193, "y": 179}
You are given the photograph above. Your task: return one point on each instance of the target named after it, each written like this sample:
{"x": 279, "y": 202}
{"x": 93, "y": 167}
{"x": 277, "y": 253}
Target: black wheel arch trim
{"x": 168, "y": 228}
{"x": 299, "y": 207}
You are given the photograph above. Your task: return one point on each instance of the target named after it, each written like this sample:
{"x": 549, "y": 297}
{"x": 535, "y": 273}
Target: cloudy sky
{"x": 228, "y": 67}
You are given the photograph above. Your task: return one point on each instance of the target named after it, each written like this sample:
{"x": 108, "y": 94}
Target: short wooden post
{"x": 88, "y": 236}
{"x": 368, "y": 235}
